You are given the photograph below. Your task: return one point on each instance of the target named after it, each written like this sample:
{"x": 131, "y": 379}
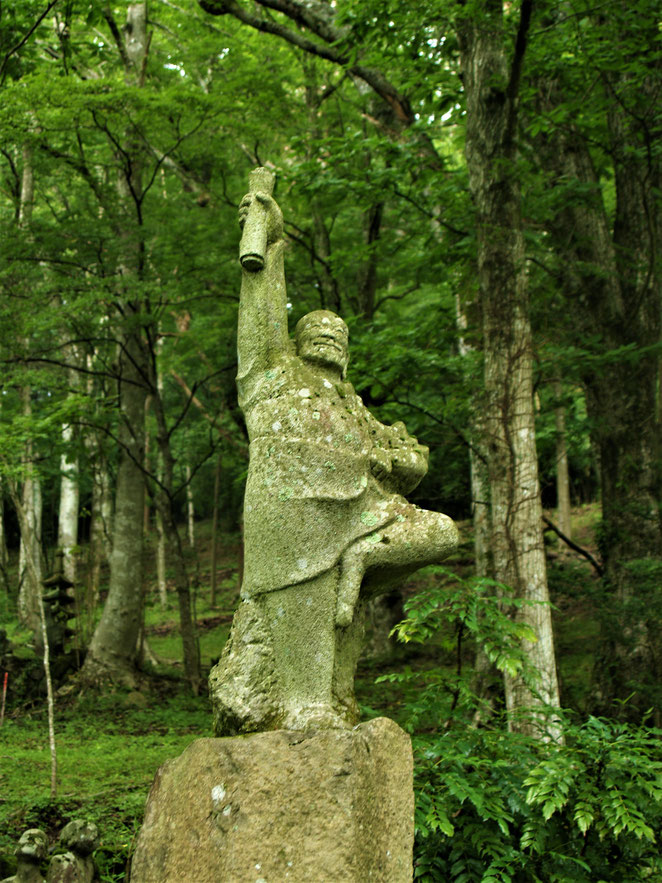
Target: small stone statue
{"x": 30, "y": 853}
{"x": 76, "y": 865}
{"x": 326, "y": 525}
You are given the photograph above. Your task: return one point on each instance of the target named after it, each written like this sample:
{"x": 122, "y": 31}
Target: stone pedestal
{"x": 329, "y": 805}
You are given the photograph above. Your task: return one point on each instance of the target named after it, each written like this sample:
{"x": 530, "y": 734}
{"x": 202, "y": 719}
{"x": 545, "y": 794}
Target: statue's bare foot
{"x": 314, "y": 717}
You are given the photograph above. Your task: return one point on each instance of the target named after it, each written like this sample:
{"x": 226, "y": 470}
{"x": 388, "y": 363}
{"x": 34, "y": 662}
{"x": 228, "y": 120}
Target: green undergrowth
{"x": 500, "y": 807}
{"x": 492, "y": 807}
{"x": 583, "y": 804}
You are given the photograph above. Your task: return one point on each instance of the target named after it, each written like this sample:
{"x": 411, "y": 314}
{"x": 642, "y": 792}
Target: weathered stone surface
{"x": 331, "y": 805}
{"x": 30, "y": 852}
{"x": 325, "y": 523}
{"x": 80, "y": 836}
{"x": 76, "y": 866}
{"x": 70, "y": 868}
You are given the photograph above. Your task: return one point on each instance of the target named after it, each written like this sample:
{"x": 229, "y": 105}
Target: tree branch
{"x": 599, "y": 570}
{"x": 24, "y": 39}
{"x": 516, "y": 67}
{"x": 205, "y": 413}
{"x": 399, "y": 103}
{"x": 117, "y": 37}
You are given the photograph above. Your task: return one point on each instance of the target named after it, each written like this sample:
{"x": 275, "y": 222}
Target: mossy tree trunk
{"x": 112, "y": 653}
{"x": 491, "y": 87}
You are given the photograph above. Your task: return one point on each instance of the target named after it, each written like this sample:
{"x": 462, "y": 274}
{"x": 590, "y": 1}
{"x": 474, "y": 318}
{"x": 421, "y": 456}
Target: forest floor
{"x": 109, "y": 746}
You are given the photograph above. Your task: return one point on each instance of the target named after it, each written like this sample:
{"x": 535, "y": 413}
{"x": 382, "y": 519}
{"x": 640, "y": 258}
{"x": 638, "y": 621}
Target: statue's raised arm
{"x": 262, "y": 339}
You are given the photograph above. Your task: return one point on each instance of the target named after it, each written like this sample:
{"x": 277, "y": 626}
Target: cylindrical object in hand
{"x": 253, "y": 245}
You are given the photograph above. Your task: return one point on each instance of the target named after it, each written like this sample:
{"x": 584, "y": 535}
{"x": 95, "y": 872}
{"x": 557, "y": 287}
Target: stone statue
{"x": 31, "y": 851}
{"x": 326, "y": 525}
{"x": 75, "y": 866}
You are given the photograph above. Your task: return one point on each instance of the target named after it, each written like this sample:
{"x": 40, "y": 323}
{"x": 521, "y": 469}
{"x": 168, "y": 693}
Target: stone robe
{"x": 310, "y": 491}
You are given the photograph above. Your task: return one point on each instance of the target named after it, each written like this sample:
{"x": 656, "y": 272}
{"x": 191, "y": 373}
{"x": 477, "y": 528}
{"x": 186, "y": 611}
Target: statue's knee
{"x": 443, "y": 534}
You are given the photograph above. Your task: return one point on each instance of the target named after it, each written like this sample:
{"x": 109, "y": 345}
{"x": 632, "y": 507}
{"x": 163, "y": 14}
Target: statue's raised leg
{"x": 413, "y": 539}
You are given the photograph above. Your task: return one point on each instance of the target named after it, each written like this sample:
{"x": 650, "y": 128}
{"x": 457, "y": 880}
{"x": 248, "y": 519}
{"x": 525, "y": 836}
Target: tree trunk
{"x": 112, "y": 651}
{"x": 101, "y": 519}
{"x": 367, "y": 273}
{"x": 190, "y": 508}
{"x": 480, "y": 490}
{"x": 160, "y": 529}
{"x": 67, "y": 532}
{"x": 485, "y": 673}
{"x": 214, "y": 532}
{"x": 516, "y": 511}
{"x": 164, "y": 500}
{"x": 30, "y": 555}
{"x": 26, "y": 530}
{"x": 161, "y": 561}
{"x": 563, "y": 516}
{"x": 146, "y": 465}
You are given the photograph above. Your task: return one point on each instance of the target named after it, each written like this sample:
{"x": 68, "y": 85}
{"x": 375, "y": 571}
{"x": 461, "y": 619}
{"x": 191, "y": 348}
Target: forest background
{"x": 475, "y": 187}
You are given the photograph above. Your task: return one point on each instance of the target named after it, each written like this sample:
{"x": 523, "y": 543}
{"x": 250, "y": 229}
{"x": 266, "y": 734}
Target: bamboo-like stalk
{"x": 214, "y": 533}
{"x": 50, "y": 700}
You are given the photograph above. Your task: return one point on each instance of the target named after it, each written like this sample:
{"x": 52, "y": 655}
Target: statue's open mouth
{"x": 327, "y": 341}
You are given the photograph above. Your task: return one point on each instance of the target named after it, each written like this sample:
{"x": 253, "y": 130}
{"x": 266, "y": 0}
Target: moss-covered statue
{"x": 325, "y": 524}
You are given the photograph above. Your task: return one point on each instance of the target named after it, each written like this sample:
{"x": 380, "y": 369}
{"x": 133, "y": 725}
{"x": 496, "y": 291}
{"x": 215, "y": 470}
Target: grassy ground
{"x": 108, "y": 749}
{"x": 110, "y": 746}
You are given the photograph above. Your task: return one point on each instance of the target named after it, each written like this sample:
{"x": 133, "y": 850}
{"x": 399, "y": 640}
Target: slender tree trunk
{"x": 367, "y": 275}
{"x": 101, "y": 521}
{"x": 30, "y": 555}
{"x": 214, "y": 533}
{"x": 563, "y": 516}
{"x": 67, "y": 534}
{"x": 516, "y": 511}
{"x": 480, "y": 489}
{"x": 146, "y": 509}
{"x": 164, "y": 502}
{"x": 190, "y": 508}
{"x": 485, "y": 674}
{"x": 29, "y": 568}
{"x": 160, "y": 529}
{"x": 100, "y": 545}
{"x": 26, "y": 529}
{"x": 161, "y": 581}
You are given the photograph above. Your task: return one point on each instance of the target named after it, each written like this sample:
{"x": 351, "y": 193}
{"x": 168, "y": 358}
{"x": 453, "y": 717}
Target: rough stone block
{"x": 330, "y": 805}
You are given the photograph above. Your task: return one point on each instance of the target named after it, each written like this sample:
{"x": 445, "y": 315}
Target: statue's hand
{"x": 380, "y": 463}
{"x": 270, "y": 207}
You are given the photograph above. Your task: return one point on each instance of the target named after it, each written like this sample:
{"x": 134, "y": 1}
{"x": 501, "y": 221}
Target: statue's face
{"x": 322, "y": 338}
